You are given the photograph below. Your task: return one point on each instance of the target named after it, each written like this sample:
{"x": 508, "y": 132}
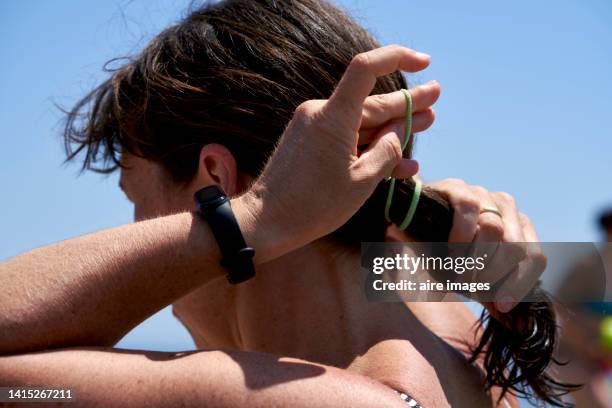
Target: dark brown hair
{"x": 233, "y": 73}
{"x": 516, "y": 347}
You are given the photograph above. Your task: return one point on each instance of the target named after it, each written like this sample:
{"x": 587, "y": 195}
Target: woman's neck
{"x": 311, "y": 304}
{"x": 308, "y": 303}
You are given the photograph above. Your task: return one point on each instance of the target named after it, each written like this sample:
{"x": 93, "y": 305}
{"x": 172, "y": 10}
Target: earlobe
{"x": 217, "y": 166}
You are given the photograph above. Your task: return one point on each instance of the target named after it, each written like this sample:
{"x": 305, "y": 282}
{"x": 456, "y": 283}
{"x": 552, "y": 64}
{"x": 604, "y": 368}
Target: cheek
{"x": 157, "y": 203}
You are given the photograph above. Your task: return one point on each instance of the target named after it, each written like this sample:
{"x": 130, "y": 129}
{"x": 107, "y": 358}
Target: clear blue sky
{"x": 526, "y": 108}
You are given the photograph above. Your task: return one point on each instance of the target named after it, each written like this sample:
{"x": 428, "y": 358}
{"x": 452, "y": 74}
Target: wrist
{"x": 260, "y": 226}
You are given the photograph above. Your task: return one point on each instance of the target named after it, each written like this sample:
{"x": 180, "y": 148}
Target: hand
{"x": 316, "y": 179}
{"x": 523, "y": 260}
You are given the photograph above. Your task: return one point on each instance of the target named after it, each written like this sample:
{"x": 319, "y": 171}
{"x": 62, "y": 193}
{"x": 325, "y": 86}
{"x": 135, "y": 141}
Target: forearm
{"x": 91, "y": 290}
{"x": 116, "y": 378}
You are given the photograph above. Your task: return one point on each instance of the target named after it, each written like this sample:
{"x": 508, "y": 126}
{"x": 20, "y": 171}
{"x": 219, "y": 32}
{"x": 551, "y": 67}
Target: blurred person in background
{"x": 586, "y": 341}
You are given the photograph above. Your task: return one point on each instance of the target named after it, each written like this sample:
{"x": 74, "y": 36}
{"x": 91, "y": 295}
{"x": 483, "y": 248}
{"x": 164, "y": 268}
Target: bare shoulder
{"x": 454, "y": 322}
{"x": 457, "y": 324}
{"x": 129, "y": 378}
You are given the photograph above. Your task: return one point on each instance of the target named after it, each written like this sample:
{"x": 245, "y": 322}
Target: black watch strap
{"x": 214, "y": 207}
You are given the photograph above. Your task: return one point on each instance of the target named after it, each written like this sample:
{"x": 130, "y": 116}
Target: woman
{"x": 225, "y": 82}
{"x": 205, "y": 103}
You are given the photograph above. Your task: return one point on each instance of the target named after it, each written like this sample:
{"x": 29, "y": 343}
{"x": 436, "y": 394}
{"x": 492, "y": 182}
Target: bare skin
{"x": 88, "y": 292}
{"x": 310, "y": 304}
{"x": 103, "y": 377}
{"x": 93, "y": 279}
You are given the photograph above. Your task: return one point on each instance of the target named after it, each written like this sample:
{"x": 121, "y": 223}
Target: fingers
{"x": 405, "y": 169}
{"x": 466, "y": 207}
{"x": 360, "y": 77}
{"x": 528, "y": 229}
{"x": 507, "y": 258}
{"x": 384, "y": 156}
{"x": 513, "y": 229}
{"x": 519, "y": 283}
{"x": 379, "y": 109}
{"x": 510, "y": 263}
{"x": 534, "y": 249}
{"x": 491, "y": 226}
{"x": 513, "y": 250}
{"x": 518, "y": 263}
{"x": 489, "y": 233}
{"x": 420, "y": 122}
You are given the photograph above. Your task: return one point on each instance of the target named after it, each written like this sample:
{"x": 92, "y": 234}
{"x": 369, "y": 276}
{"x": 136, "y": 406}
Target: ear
{"x": 217, "y": 166}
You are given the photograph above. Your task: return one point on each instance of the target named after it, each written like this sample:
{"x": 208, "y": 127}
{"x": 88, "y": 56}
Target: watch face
{"x": 210, "y": 193}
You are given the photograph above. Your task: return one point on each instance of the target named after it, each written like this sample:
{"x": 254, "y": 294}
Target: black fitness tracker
{"x": 214, "y": 207}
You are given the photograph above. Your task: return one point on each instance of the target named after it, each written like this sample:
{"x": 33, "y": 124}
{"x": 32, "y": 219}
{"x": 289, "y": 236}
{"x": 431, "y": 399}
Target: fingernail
{"x": 423, "y": 55}
{"x": 432, "y": 82}
{"x": 413, "y": 164}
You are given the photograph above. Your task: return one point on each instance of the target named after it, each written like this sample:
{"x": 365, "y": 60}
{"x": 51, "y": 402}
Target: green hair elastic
{"x": 418, "y": 185}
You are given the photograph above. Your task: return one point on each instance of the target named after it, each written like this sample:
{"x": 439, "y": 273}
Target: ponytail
{"x": 516, "y": 347}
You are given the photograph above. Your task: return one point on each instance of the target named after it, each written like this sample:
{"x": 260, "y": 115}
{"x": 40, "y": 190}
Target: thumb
{"x": 384, "y": 155}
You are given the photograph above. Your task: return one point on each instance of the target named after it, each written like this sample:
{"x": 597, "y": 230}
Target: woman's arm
{"x": 92, "y": 290}
{"x": 117, "y": 378}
